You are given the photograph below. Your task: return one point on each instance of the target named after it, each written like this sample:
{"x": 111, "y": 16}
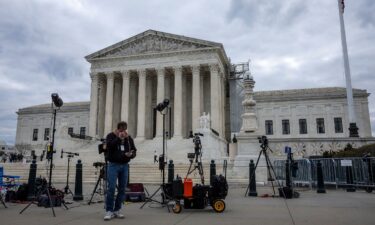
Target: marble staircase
{"x": 139, "y": 173}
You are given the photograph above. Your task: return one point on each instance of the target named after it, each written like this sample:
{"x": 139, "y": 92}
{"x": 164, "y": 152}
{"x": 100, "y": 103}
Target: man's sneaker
{"x": 117, "y": 214}
{"x": 109, "y": 215}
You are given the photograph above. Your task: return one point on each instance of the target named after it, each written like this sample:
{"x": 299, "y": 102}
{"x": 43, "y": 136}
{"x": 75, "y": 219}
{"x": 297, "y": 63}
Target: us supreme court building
{"x": 129, "y": 78}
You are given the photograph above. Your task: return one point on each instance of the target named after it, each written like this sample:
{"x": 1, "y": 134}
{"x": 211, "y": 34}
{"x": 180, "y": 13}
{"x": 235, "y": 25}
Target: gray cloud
{"x": 291, "y": 44}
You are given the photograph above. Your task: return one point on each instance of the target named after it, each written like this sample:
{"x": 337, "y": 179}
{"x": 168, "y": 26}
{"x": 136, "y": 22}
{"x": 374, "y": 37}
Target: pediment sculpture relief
{"x": 153, "y": 43}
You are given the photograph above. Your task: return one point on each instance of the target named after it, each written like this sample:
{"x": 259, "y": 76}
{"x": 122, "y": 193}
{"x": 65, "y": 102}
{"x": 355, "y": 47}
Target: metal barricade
{"x": 334, "y": 172}
{"x": 303, "y": 172}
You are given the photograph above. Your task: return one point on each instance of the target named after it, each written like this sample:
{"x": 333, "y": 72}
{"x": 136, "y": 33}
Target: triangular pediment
{"x": 152, "y": 42}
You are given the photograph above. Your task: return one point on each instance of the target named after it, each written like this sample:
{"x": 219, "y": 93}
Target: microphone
{"x": 62, "y": 153}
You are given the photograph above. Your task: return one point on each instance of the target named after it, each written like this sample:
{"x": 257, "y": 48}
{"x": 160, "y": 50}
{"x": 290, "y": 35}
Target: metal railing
{"x": 334, "y": 173}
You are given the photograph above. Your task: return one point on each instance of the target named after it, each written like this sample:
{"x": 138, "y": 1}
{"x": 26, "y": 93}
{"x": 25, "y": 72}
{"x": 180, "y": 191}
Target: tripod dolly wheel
{"x": 218, "y": 205}
{"x": 177, "y": 207}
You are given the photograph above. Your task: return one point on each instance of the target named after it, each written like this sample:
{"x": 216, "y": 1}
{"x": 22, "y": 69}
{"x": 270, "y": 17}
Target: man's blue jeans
{"x": 116, "y": 171}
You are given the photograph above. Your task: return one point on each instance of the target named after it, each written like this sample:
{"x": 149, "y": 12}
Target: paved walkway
{"x": 335, "y": 207}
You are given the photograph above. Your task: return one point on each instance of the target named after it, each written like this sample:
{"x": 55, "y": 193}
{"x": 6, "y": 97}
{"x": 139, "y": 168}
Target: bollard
{"x": 288, "y": 181}
{"x": 31, "y": 182}
{"x": 212, "y": 171}
{"x": 349, "y": 179}
{"x": 252, "y": 180}
{"x": 78, "y": 185}
{"x": 320, "y": 178}
{"x": 170, "y": 172}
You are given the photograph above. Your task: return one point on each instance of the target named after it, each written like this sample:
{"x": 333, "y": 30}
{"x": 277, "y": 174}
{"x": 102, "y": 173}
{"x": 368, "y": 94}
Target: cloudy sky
{"x": 291, "y": 43}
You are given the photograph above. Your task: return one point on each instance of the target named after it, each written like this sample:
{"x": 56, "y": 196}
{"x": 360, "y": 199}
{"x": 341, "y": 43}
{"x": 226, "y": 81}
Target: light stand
{"x": 163, "y": 109}
{"x": 58, "y": 102}
{"x": 70, "y": 155}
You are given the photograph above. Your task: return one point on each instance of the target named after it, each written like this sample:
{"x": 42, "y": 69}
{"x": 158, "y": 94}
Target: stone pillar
{"x": 141, "y": 105}
{"x": 215, "y": 98}
{"x": 109, "y": 104}
{"x": 196, "y": 97}
{"x": 101, "y": 105}
{"x": 223, "y": 104}
{"x": 93, "y": 105}
{"x": 125, "y": 96}
{"x": 249, "y": 119}
{"x": 177, "y": 102}
{"x": 159, "y": 98}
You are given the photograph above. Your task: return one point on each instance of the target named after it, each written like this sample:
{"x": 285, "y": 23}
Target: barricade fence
{"x": 334, "y": 171}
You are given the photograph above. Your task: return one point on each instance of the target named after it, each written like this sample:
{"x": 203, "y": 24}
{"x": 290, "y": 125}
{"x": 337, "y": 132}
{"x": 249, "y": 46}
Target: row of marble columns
{"x": 216, "y": 97}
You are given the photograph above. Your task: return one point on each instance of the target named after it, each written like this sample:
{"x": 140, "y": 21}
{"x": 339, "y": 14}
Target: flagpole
{"x": 353, "y": 129}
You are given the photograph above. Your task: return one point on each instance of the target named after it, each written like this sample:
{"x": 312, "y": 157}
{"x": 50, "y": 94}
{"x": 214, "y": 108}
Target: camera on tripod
{"x": 263, "y": 142}
{"x": 197, "y": 147}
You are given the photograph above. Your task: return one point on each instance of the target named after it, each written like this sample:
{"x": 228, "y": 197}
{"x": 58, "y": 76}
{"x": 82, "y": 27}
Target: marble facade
{"x": 131, "y": 77}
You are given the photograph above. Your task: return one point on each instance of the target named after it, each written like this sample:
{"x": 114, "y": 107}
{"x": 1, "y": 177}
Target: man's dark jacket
{"x": 114, "y": 153}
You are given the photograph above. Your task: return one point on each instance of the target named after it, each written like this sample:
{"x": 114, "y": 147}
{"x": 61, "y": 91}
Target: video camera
{"x": 102, "y": 147}
{"x": 197, "y": 142}
{"x": 263, "y": 142}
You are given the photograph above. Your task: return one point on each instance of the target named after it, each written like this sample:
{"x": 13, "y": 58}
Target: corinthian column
{"x": 93, "y": 105}
{"x": 125, "y": 96}
{"x": 141, "y": 105}
{"x": 215, "y": 98}
{"x": 196, "y": 105}
{"x": 177, "y": 102}
{"x": 109, "y": 104}
{"x": 159, "y": 98}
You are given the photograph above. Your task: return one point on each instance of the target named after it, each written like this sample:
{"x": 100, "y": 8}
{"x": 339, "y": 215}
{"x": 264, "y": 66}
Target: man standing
{"x": 120, "y": 150}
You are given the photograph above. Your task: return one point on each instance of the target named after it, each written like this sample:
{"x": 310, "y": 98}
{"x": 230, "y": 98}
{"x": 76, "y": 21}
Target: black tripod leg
{"x": 96, "y": 186}
{"x": 269, "y": 167}
{"x": 63, "y": 202}
{"x": 251, "y": 175}
{"x": 277, "y": 181}
{"x": 165, "y": 197}
{"x": 50, "y": 202}
{"x": 28, "y": 205}
{"x": 149, "y": 199}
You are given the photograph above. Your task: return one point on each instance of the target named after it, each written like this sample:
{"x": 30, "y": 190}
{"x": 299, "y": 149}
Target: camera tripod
{"x": 263, "y": 151}
{"x": 197, "y": 157}
{"x": 102, "y": 180}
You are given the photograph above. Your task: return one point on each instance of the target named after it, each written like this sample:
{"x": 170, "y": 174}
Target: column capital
{"x": 214, "y": 67}
{"x": 94, "y": 76}
{"x": 110, "y": 75}
{"x": 195, "y": 69}
{"x": 125, "y": 74}
{"x": 160, "y": 70}
{"x": 141, "y": 72}
{"x": 177, "y": 69}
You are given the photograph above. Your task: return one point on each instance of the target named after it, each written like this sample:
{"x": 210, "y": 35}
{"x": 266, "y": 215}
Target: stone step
{"x": 139, "y": 173}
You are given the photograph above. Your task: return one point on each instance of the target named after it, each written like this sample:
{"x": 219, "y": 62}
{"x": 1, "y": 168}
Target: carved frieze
{"x": 152, "y": 44}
